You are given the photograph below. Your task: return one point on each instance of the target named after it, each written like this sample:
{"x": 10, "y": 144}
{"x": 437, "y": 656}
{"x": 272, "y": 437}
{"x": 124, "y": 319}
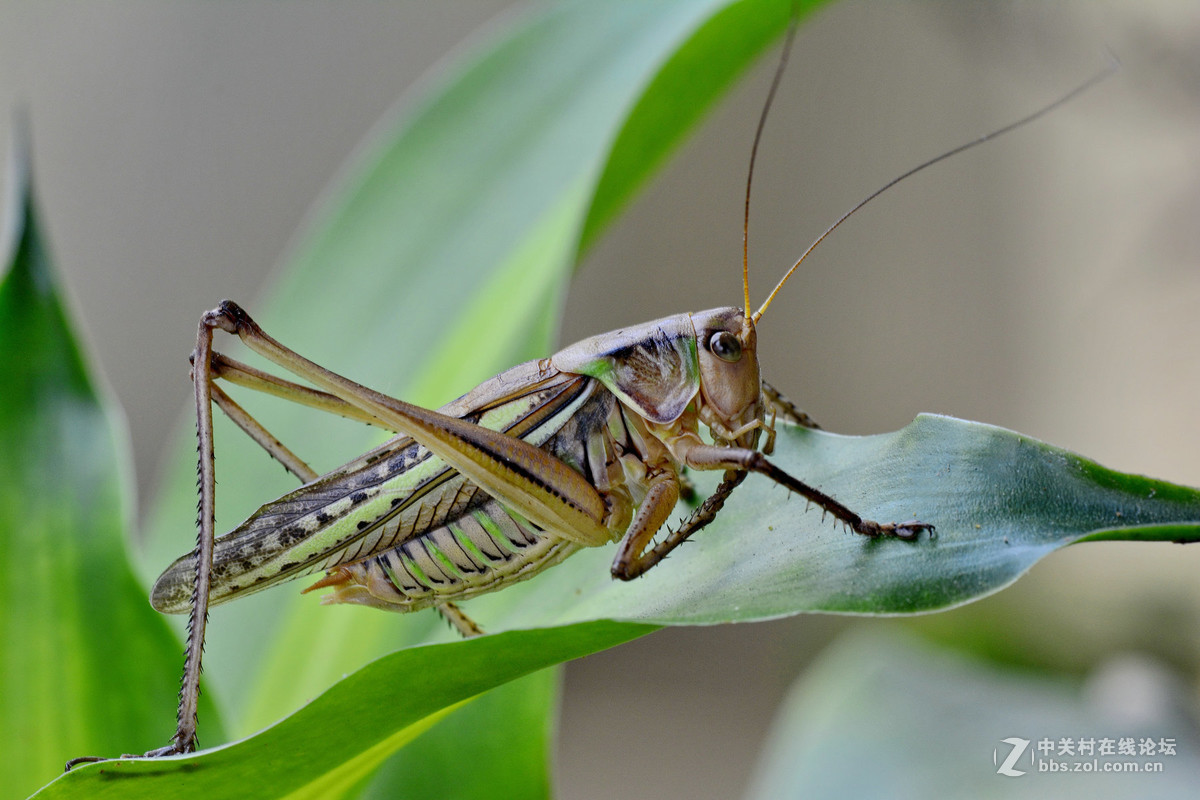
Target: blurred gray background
{"x": 1048, "y": 282}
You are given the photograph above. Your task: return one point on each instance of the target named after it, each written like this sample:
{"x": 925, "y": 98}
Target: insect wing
{"x": 388, "y": 496}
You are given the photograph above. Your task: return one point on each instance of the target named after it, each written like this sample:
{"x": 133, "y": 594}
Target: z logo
{"x": 1018, "y": 750}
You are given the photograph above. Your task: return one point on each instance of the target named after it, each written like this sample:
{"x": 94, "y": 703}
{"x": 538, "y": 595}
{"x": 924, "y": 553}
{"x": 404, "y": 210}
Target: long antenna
{"x": 788, "y": 38}
{"x": 1112, "y": 67}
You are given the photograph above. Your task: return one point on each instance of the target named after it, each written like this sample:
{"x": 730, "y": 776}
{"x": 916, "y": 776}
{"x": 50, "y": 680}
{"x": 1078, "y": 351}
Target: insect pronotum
{"x": 581, "y": 449}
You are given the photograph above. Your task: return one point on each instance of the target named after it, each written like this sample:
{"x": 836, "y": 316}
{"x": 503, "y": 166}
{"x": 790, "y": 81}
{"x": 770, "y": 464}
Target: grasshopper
{"x": 581, "y": 449}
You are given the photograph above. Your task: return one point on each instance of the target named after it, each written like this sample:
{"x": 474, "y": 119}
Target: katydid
{"x": 584, "y": 448}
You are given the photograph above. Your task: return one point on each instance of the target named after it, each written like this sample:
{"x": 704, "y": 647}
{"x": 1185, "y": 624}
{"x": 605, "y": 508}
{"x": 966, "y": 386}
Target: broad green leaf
{"x": 885, "y": 716}
{"x": 330, "y": 745}
{"x": 85, "y": 663}
{"x": 1000, "y": 502}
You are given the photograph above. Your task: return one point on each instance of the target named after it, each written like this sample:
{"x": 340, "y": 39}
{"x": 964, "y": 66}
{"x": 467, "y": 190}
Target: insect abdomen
{"x": 487, "y": 546}
{"x": 480, "y": 551}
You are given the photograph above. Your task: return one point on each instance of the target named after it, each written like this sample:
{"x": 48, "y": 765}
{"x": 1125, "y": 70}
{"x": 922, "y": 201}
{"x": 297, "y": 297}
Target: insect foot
{"x": 169, "y": 750}
{"x": 906, "y": 531}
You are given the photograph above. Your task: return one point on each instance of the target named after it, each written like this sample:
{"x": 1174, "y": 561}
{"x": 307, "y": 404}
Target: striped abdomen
{"x": 488, "y": 545}
{"x": 483, "y": 550}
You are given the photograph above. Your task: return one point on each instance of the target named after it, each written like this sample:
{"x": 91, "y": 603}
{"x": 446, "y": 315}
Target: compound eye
{"x": 725, "y": 346}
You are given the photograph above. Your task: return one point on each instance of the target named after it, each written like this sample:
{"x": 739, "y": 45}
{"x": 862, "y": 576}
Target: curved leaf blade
{"x": 1000, "y": 500}
{"x": 342, "y": 736}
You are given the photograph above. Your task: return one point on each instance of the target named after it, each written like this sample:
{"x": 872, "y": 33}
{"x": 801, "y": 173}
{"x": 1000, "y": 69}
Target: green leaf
{"x": 330, "y": 745}
{"x": 887, "y": 716}
{"x": 1000, "y": 502}
{"x": 85, "y": 662}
